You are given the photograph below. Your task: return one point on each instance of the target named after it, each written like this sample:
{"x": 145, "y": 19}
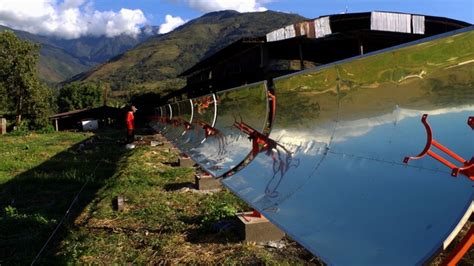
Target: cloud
{"x": 68, "y": 19}
{"x": 171, "y": 23}
{"x": 237, "y": 5}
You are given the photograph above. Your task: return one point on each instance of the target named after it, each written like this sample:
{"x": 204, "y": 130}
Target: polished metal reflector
{"x": 228, "y": 146}
{"x": 165, "y": 119}
{"x": 334, "y": 176}
{"x": 202, "y": 115}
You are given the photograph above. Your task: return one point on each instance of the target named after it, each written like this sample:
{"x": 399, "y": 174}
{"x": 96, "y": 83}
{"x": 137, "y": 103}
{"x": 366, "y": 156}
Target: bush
{"x": 22, "y": 129}
{"x": 76, "y": 96}
{"x": 46, "y": 130}
{"x": 216, "y": 212}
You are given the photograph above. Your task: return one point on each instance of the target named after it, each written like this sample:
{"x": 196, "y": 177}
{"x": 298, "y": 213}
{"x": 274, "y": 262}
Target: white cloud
{"x": 171, "y": 23}
{"x": 68, "y": 19}
{"x": 238, "y": 5}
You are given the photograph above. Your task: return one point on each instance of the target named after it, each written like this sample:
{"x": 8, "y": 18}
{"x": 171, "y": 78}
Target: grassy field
{"x": 163, "y": 221}
{"x": 41, "y": 174}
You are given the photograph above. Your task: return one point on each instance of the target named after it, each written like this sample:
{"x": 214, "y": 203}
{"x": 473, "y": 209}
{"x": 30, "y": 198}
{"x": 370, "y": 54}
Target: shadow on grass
{"x": 178, "y": 186}
{"x": 223, "y": 232}
{"x": 34, "y": 202}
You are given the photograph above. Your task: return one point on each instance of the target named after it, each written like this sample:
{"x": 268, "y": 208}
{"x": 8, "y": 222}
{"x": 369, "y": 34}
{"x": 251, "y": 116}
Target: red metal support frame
{"x": 208, "y": 129}
{"x": 470, "y": 122}
{"x": 466, "y": 243}
{"x": 260, "y": 142}
{"x": 254, "y": 214}
{"x": 467, "y": 167}
{"x": 272, "y": 101}
{"x": 180, "y": 122}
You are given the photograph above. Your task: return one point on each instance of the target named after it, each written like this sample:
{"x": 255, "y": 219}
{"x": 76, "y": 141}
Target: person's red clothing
{"x": 130, "y": 121}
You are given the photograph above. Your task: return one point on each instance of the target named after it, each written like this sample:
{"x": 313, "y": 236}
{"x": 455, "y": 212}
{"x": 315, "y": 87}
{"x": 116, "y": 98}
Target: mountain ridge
{"x": 61, "y": 59}
{"x": 155, "y": 63}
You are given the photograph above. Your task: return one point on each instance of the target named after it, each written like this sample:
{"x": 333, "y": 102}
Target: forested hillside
{"x": 155, "y": 63}
{"x": 61, "y": 59}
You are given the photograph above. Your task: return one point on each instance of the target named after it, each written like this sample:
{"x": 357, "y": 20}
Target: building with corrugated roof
{"x": 305, "y": 45}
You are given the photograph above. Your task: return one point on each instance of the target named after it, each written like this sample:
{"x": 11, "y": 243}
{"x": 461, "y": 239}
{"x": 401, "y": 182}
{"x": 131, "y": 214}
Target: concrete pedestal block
{"x": 207, "y": 182}
{"x": 257, "y": 229}
{"x": 185, "y": 161}
{"x": 3, "y": 126}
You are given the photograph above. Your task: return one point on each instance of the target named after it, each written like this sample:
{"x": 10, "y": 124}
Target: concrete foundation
{"x": 257, "y": 229}
{"x": 3, "y": 126}
{"x": 185, "y": 161}
{"x": 207, "y": 182}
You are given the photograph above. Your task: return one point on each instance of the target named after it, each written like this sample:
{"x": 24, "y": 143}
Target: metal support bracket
{"x": 260, "y": 142}
{"x": 208, "y": 129}
{"x": 467, "y": 167}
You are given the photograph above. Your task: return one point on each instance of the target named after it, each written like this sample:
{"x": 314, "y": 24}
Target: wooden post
{"x": 301, "y": 55}
{"x": 56, "y": 124}
{"x": 3, "y": 126}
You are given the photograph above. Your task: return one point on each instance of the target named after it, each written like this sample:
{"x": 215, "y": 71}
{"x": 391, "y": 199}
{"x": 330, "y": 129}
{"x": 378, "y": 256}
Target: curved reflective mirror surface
{"x": 336, "y": 180}
{"x": 174, "y": 129}
{"x": 203, "y": 111}
{"x": 229, "y": 144}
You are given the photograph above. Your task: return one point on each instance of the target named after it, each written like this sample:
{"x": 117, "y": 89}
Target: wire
{"x": 64, "y": 217}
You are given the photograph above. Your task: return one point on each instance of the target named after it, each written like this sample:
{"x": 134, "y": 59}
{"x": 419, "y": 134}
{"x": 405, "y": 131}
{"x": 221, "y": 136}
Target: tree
{"x": 3, "y": 101}
{"x": 19, "y": 83}
{"x": 76, "y": 96}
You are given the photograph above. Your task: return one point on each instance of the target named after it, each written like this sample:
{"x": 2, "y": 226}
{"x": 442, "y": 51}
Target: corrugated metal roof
{"x": 84, "y": 111}
{"x": 66, "y": 114}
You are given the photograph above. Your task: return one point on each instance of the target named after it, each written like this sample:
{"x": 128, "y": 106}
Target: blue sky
{"x": 155, "y": 10}
{"x": 75, "y": 18}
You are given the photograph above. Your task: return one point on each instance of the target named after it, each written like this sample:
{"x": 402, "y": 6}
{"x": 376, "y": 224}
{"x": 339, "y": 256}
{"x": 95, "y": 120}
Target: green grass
{"x": 19, "y": 154}
{"x": 41, "y": 174}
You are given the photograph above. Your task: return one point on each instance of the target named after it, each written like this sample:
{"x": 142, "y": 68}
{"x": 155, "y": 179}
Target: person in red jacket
{"x": 130, "y": 119}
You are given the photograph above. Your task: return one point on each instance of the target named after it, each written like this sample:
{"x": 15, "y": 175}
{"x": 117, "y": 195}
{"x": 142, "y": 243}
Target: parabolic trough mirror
{"x": 352, "y": 168}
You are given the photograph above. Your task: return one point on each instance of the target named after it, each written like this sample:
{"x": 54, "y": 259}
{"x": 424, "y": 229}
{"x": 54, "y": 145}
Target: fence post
{"x": 3, "y": 126}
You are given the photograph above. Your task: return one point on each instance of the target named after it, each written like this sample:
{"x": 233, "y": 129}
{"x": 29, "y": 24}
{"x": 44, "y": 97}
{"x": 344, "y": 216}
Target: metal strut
{"x": 260, "y": 141}
{"x": 181, "y": 122}
{"x": 466, "y": 169}
{"x": 208, "y": 129}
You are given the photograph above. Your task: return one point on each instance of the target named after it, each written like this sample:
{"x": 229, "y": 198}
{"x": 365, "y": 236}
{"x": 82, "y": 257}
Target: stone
{"x": 257, "y": 229}
{"x": 207, "y": 182}
{"x": 185, "y": 161}
{"x": 155, "y": 143}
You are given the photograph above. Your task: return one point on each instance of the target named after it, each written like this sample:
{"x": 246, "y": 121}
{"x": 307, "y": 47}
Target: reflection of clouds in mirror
{"x": 236, "y": 149}
{"x": 321, "y": 134}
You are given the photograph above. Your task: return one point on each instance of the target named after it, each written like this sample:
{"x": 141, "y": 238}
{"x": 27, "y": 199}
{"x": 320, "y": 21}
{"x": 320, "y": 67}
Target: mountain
{"x": 155, "y": 63}
{"x": 61, "y": 59}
